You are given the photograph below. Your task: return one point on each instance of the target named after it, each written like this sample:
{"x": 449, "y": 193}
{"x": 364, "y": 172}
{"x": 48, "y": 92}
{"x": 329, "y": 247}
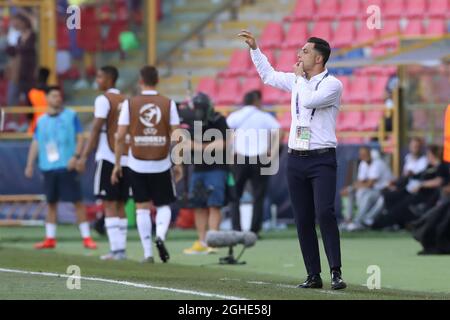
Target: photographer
{"x": 207, "y": 185}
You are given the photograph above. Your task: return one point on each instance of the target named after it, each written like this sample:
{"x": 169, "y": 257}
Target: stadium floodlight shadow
{"x": 230, "y": 239}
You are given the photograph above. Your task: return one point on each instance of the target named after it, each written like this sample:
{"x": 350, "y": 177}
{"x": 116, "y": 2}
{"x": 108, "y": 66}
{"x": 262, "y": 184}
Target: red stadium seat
{"x": 63, "y": 38}
{"x": 376, "y": 71}
{"x": 304, "y": 10}
{"x": 322, "y": 29}
{"x": 438, "y": 9}
{"x": 365, "y": 34}
{"x": 273, "y": 36}
{"x": 273, "y": 95}
{"x": 296, "y": 36}
{"x": 3, "y": 92}
{"x": 360, "y": 90}
{"x": 436, "y": 27}
{"x": 239, "y": 64}
{"x": 346, "y": 88}
{"x": 350, "y": 120}
{"x": 111, "y": 43}
{"x": 393, "y": 9}
{"x": 378, "y": 89}
{"x": 390, "y": 30}
{"x": 286, "y": 60}
{"x": 272, "y": 60}
{"x": 123, "y": 12}
{"x": 344, "y": 35}
{"x": 208, "y": 86}
{"x": 379, "y": 50}
{"x": 228, "y": 92}
{"x": 414, "y": 28}
{"x": 416, "y": 8}
{"x": 389, "y": 27}
{"x": 91, "y": 40}
{"x": 250, "y": 84}
{"x": 351, "y": 9}
{"x": 327, "y": 10}
{"x": 351, "y": 140}
{"x": 371, "y": 120}
{"x": 285, "y": 121}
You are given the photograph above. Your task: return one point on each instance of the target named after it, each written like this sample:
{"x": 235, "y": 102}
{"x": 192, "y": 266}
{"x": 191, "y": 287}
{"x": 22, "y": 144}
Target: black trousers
{"x": 312, "y": 188}
{"x": 242, "y": 174}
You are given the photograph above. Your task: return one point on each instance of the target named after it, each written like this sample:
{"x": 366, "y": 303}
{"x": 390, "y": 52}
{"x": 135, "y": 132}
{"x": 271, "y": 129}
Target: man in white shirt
{"x": 415, "y": 163}
{"x": 251, "y": 122}
{"x": 101, "y": 138}
{"x": 373, "y": 176}
{"x": 149, "y": 119}
{"x": 312, "y": 166}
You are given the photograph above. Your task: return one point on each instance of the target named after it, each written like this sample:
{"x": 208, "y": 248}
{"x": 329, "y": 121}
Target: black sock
{"x": 338, "y": 270}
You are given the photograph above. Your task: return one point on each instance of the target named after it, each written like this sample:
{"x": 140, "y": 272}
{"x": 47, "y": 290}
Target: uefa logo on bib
{"x": 150, "y": 115}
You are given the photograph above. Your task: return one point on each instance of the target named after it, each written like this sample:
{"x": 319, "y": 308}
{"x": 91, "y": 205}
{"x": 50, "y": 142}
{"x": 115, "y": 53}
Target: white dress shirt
{"x": 101, "y": 111}
{"x": 326, "y": 100}
{"x": 252, "y": 125}
{"x": 150, "y": 166}
{"x": 377, "y": 170}
{"x": 414, "y": 165}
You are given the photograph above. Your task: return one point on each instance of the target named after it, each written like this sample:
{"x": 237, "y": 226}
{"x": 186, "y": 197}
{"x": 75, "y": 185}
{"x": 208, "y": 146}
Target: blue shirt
{"x": 57, "y": 139}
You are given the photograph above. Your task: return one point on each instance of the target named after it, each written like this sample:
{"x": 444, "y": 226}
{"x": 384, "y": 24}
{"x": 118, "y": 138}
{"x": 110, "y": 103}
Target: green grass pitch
{"x": 274, "y": 267}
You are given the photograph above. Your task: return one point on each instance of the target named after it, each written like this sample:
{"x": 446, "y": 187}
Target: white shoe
{"x": 354, "y": 227}
{"x": 108, "y": 257}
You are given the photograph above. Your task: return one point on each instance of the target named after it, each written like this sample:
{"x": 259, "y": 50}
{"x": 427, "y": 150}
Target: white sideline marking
{"x": 282, "y": 286}
{"x": 125, "y": 283}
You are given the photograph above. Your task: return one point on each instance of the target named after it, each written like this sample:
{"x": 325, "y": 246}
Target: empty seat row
{"x": 359, "y": 120}
{"x": 351, "y": 9}
{"x": 346, "y": 33}
{"x": 91, "y": 39}
{"x": 360, "y": 89}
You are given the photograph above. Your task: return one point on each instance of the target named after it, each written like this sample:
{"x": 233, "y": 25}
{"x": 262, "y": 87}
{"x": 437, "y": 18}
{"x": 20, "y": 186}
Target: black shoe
{"x": 312, "y": 282}
{"x": 163, "y": 253}
{"x": 336, "y": 281}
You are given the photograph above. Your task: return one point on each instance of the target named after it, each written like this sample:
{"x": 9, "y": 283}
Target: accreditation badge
{"x": 302, "y": 138}
{"x": 52, "y": 152}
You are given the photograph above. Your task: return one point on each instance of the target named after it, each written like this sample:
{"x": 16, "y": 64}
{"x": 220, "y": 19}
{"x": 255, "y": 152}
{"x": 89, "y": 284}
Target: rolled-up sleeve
{"x": 280, "y": 80}
{"x": 326, "y": 95}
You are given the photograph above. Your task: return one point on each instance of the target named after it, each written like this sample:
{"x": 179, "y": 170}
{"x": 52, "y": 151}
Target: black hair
{"x": 436, "y": 150}
{"x": 321, "y": 46}
{"x": 149, "y": 75}
{"x": 43, "y": 75}
{"x": 252, "y": 97}
{"x": 111, "y": 72}
{"x": 52, "y": 88}
{"x": 24, "y": 19}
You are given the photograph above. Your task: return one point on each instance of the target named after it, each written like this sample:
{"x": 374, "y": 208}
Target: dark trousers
{"x": 243, "y": 173}
{"x": 312, "y": 188}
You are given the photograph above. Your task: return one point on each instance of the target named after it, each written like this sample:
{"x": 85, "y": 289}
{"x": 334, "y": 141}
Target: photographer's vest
{"x": 150, "y": 127}
{"x": 115, "y": 102}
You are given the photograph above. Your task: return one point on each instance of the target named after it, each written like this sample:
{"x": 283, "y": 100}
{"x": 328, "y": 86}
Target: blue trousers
{"x": 312, "y": 188}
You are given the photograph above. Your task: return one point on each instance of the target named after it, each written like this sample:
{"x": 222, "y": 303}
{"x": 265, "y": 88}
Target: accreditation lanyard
{"x": 297, "y": 99}
{"x": 52, "y": 138}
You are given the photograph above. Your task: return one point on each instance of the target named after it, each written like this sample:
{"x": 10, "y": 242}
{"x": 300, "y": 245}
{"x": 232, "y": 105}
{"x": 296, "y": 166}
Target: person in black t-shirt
{"x": 207, "y": 185}
{"x": 423, "y": 193}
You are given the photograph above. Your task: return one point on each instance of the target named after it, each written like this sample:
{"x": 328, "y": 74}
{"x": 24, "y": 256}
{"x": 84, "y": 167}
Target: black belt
{"x": 307, "y": 153}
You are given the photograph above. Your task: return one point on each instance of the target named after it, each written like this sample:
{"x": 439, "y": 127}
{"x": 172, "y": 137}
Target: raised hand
{"x": 249, "y": 39}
